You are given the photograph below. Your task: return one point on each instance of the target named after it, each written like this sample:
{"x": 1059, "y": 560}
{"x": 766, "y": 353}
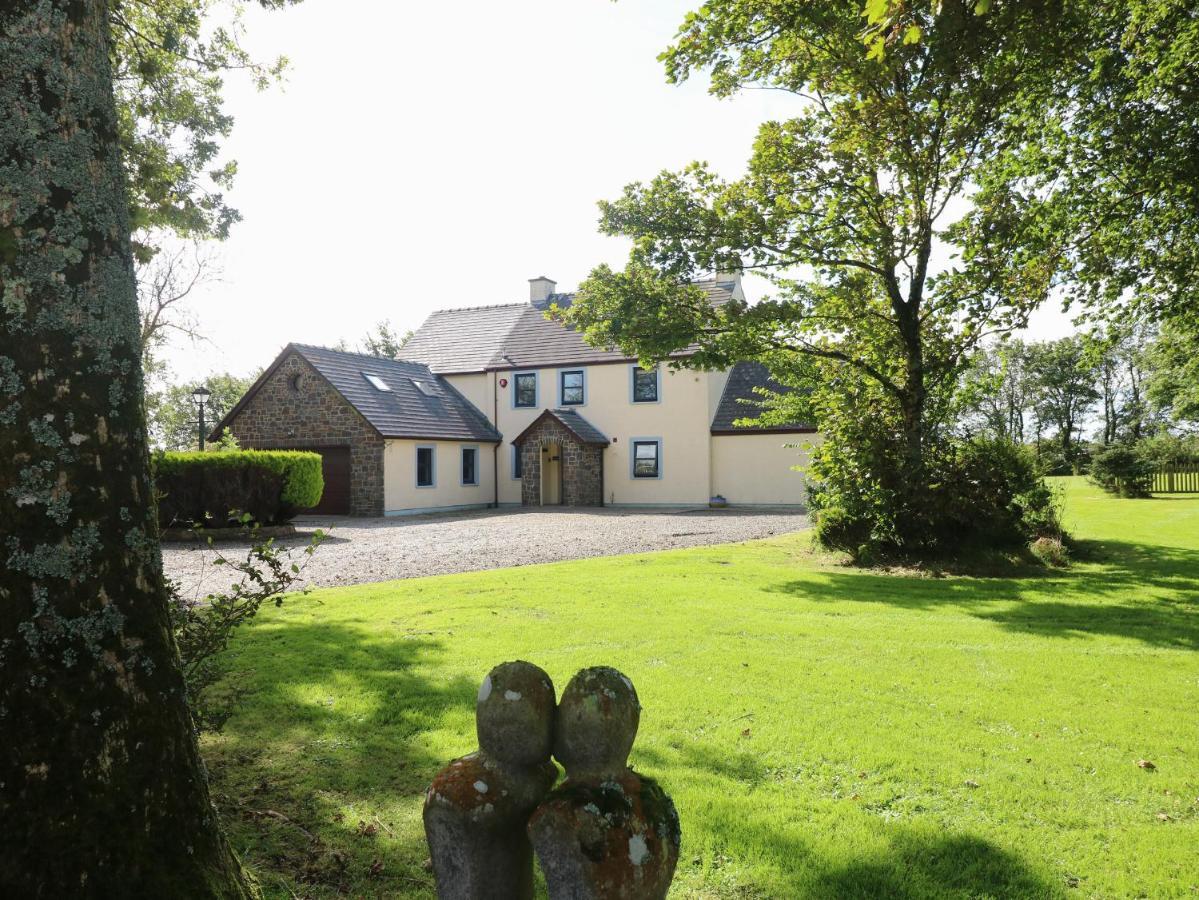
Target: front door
{"x": 551, "y": 474}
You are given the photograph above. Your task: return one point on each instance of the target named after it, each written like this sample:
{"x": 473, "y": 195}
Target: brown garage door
{"x": 335, "y": 466}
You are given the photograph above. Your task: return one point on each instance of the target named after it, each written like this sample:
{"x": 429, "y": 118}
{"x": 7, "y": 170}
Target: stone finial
{"x": 598, "y": 718}
{"x": 606, "y": 833}
{"x": 477, "y": 807}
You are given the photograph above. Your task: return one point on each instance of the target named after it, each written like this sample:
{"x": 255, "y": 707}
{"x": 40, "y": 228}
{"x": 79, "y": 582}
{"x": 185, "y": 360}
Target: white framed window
{"x": 376, "y": 382}
{"x": 572, "y": 387}
{"x": 524, "y": 390}
{"x": 644, "y": 384}
{"x": 645, "y": 458}
{"x": 470, "y": 466}
{"x": 426, "y": 467}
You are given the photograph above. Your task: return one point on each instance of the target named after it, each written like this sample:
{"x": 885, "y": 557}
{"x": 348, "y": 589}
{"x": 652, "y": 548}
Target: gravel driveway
{"x": 358, "y": 551}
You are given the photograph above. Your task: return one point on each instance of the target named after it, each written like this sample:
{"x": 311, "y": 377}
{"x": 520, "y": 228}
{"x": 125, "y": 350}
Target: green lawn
{"x": 825, "y": 732}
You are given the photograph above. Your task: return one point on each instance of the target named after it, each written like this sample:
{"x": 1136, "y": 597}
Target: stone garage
{"x": 358, "y": 412}
{"x": 561, "y": 461}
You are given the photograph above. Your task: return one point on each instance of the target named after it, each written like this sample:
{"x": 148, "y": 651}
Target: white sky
{"x": 431, "y": 155}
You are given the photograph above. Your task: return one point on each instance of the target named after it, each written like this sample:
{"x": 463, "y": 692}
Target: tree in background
{"x": 997, "y": 391}
{"x": 385, "y": 341}
{"x": 104, "y": 793}
{"x": 172, "y": 413}
{"x": 163, "y": 286}
{"x": 1063, "y": 379}
{"x": 841, "y": 209}
{"x": 1118, "y": 358}
{"x": 1172, "y": 383}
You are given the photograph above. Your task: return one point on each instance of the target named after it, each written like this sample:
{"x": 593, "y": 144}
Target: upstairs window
{"x": 424, "y": 467}
{"x": 470, "y": 465}
{"x": 646, "y": 459}
{"x": 524, "y": 390}
{"x": 376, "y": 382}
{"x": 572, "y": 393}
{"x": 645, "y": 385}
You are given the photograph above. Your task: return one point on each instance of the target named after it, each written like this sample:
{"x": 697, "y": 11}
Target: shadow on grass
{"x": 330, "y": 718}
{"x": 914, "y": 862}
{"x": 1109, "y": 584}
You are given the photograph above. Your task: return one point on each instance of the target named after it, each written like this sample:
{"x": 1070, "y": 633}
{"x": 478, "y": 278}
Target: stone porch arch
{"x": 581, "y": 458}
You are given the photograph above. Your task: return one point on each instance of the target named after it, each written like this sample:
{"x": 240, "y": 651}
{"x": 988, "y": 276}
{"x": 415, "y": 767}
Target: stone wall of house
{"x": 297, "y": 408}
{"x": 582, "y": 467}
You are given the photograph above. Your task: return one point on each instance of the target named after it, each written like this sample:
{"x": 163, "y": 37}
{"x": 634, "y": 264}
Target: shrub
{"x": 215, "y": 489}
{"x": 1050, "y": 551}
{"x": 203, "y": 626}
{"x": 1124, "y": 469}
{"x": 975, "y": 492}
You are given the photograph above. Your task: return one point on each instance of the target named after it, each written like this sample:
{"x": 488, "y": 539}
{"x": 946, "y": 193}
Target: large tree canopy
{"x": 169, "y": 60}
{"x": 1112, "y": 135}
{"x": 1120, "y": 147}
{"x": 846, "y": 206}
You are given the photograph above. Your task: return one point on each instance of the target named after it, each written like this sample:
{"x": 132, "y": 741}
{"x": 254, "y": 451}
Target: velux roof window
{"x": 376, "y": 382}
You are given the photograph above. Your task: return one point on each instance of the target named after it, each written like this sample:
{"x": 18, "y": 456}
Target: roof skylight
{"x": 423, "y": 387}
{"x": 378, "y": 383}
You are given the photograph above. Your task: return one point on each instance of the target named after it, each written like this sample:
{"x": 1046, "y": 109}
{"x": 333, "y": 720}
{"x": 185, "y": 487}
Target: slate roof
{"x": 406, "y": 411}
{"x": 463, "y": 340}
{"x": 572, "y": 422}
{"x": 438, "y": 412}
{"x": 517, "y": 336}
{"x": 741, "y": 401}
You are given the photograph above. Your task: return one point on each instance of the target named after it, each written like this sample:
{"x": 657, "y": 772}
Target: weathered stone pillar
{"x": 606, "y": 833}
{"x": 477, "y": 808}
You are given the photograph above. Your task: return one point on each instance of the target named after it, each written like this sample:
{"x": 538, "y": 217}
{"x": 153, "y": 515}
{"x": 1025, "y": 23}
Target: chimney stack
{"x": 540, "y": 289}
{"x": 731, "y": 274}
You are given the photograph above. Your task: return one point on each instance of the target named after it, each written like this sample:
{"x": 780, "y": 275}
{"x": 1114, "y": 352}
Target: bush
{"x": 203, "y": 626}
{"x": 972, "y": 492}
{"x": 216, "y": 489}
{"x": 1052, "y": 460}
{"x": 1050, "y": 551}
{"x": 1124, "y": 469}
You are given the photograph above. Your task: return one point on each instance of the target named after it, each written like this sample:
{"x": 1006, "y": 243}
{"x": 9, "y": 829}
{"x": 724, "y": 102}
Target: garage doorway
{"x": 335, "y": 467}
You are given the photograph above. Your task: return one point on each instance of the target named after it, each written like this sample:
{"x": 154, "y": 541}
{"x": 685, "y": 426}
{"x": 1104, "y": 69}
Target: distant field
{"x": 825, "y": 732}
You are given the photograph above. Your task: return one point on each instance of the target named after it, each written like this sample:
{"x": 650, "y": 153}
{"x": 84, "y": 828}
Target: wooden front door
{"x": 551, "y": 475}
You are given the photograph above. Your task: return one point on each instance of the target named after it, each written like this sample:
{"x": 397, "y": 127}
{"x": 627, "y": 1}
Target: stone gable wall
{"x": 582, "y": 467}
{"x": 297, "y": 408}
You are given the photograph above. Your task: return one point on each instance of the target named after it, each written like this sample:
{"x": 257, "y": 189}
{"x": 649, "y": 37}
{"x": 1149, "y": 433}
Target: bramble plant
{"x": 203, "y": 626}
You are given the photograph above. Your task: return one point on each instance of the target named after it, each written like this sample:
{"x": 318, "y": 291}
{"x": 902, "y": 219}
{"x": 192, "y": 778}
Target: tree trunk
{"x": 102, "y": 791}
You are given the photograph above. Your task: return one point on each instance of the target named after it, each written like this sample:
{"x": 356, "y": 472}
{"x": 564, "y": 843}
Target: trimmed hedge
{"x": 216, "y": 488}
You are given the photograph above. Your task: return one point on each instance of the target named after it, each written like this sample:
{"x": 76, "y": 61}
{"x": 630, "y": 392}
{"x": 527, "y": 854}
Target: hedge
{"x": 216, "y": 488}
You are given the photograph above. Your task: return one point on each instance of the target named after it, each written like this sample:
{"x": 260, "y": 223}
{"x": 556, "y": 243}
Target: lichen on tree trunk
{"x": 102, "y": 790}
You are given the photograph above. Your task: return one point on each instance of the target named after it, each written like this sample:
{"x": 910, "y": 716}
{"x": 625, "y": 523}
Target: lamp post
{"x": 200, "y": 395}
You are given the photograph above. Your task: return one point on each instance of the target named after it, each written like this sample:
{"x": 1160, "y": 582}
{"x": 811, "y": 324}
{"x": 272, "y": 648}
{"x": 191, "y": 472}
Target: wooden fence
{"x": 1177, "y": 478}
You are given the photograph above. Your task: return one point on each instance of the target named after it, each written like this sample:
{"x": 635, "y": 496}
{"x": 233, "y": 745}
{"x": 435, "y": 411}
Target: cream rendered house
{"x": 498, "y": 405}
